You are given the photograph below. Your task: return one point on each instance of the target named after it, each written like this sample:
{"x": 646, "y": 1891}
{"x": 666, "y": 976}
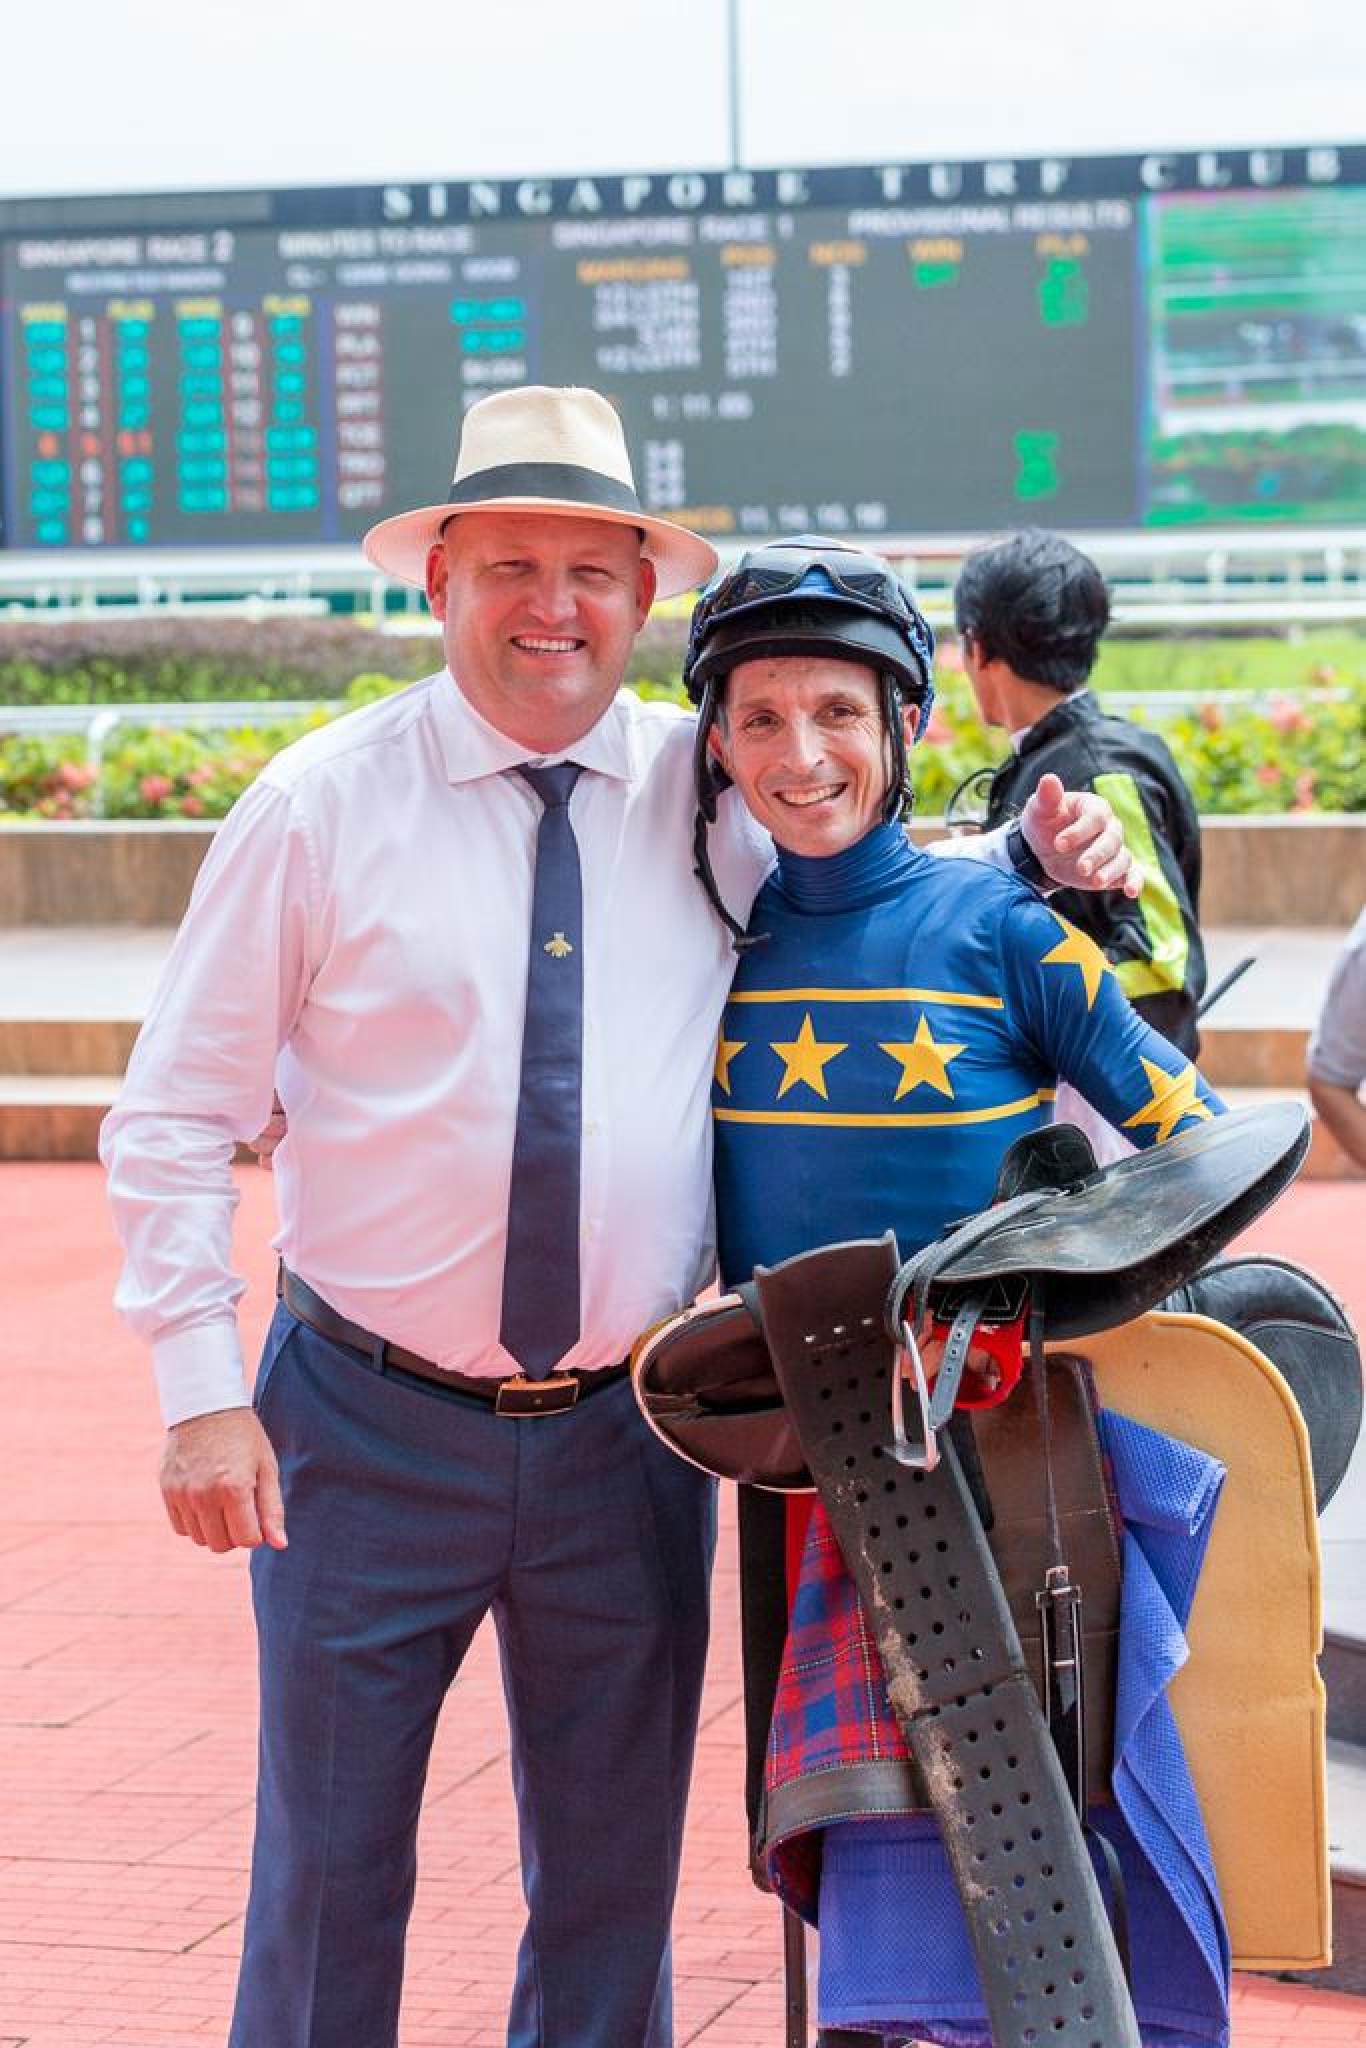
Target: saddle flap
{"x": 713, "y": 1355}
{"x": 704, "y": 1382}
{"x": 1111, "y": 1246}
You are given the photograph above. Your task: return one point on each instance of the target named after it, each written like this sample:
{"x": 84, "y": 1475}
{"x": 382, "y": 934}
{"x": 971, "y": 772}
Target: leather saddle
{"x": 1106, "y": 1246}
{"x": 1088, "y": 1248}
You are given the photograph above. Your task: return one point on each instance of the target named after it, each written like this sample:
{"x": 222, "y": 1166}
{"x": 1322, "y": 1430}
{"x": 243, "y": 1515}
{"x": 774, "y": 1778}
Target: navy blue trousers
{"x": 411, "y": 1514}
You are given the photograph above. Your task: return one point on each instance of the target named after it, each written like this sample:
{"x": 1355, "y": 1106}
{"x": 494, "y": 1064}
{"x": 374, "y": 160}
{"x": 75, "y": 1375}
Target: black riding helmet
{"x": 813, "y": 596}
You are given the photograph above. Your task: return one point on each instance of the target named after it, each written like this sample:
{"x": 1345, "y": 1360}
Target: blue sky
{"x": 147, "y": 93}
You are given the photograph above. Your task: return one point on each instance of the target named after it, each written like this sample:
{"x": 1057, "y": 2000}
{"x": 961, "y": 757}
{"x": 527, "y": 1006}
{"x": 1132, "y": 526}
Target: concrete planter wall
{"x": 1258, "y": 871}
{"x": 1300, "y": 870}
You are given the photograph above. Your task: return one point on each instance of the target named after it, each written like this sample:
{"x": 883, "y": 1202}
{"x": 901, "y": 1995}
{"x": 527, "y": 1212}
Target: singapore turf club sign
{"x": 945, "y": 182}
{"x": 682, "y": 193}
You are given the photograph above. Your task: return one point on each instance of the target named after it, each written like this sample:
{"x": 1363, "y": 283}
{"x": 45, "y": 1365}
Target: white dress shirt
{"x": 358, "y": 938}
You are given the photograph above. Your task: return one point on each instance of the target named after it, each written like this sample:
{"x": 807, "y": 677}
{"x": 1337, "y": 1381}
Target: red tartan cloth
{"x": 832, "y": 1707}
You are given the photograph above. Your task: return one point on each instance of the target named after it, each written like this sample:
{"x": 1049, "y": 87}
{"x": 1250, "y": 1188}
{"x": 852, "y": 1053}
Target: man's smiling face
{"x": 538, "y": 615}
{"x": 803, "y": 740}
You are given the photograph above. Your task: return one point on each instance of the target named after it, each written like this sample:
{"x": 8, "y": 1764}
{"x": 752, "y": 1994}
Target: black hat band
{"x": 546, "y": 480}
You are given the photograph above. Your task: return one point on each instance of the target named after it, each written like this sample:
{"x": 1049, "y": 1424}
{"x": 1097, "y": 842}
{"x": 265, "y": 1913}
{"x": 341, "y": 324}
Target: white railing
{"x": 1159, "y": 578}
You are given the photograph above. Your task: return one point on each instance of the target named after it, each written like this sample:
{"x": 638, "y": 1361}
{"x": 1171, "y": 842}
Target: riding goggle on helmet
{"x": 805, "y": 596}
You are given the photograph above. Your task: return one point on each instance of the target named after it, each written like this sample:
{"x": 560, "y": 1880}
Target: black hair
{"x": 1036, "y": 603}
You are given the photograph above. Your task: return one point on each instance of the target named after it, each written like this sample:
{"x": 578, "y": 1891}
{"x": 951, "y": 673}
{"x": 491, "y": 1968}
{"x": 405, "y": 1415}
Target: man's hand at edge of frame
{"x": 221, "y": 1483}
{"x": 1078, "y": 840}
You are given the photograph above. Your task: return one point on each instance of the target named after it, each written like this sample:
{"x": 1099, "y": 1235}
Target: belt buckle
{"x": 522, "y": 1397}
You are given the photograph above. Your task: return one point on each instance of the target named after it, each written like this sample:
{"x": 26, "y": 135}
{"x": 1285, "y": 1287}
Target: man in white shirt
{"x": 460, "y": 933}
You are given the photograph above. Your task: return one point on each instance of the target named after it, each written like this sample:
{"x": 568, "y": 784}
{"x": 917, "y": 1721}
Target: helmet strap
{"x": 740, "y": 939}
{"x": 900, "y": 796}
{"x": 709, "y": 777}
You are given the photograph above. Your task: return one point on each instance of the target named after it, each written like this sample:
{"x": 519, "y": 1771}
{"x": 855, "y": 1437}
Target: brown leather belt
{"x": 516, "y": 1395}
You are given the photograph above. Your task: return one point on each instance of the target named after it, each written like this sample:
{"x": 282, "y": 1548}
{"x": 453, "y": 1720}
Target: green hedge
{"x": 197, "y": 661}
{"x": 194, "y": 661}
{"x": 1261, "y": 661}
{"x": 188, "y": 660}
{"x": 1292, "y": 755}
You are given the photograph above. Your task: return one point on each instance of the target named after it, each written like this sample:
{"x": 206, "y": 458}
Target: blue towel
{"x": 1167, "y": 1494}
{"x": 895, "y": 1952}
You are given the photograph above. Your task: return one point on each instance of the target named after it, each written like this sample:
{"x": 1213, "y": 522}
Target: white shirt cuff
{"x": 199, "y": 1371}
{"x": 987, "y": 847}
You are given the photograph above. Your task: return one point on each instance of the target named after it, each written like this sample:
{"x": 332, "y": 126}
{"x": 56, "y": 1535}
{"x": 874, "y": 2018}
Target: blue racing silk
{"x": 900, "y": 1022}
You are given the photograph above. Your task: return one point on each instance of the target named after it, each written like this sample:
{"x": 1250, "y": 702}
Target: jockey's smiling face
{"x": 803, "y": 740}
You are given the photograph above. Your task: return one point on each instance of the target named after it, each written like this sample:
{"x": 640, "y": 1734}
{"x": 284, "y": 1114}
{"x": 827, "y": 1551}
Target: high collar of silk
{"x": 863, "y": 873}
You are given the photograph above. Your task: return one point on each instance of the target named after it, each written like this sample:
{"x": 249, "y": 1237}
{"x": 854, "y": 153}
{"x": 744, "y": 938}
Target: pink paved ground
{"x": 127, "y": 1708}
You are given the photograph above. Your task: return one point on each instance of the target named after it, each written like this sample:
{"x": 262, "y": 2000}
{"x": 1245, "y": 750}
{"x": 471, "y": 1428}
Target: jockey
{"x": 895, "y": 1023}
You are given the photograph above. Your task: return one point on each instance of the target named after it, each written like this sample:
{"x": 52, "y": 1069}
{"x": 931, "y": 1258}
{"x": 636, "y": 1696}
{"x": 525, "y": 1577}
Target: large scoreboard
{"x": 889, "y": 350}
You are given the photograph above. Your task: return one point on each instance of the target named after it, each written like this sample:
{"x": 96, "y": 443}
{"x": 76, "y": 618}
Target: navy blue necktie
{"x": 540, "y": 1320}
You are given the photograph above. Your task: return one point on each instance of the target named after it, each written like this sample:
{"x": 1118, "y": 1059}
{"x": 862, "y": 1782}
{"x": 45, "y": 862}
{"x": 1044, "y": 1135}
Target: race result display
{"x": 881, "y": 351}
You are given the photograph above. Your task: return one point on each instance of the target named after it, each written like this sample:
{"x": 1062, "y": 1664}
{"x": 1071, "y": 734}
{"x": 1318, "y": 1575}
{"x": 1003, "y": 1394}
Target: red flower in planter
{"x": 154, "y": 789}
{"x": 1287, "y": 716}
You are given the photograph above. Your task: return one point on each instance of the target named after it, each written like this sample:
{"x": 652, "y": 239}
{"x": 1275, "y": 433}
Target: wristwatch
{"x": 1025, "y": 861}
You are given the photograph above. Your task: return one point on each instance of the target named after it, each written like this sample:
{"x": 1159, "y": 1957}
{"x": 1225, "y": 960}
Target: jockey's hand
{"x": 265, "y": 1141}
{"x": 979, "y": 1362}
{"x": 1078, "y": 840}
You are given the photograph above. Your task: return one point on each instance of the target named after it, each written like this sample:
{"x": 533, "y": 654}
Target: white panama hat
{"x": 538, "y": 448}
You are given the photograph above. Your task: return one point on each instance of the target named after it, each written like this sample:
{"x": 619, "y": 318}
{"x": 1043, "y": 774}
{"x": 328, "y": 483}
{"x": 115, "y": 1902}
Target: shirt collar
{"x": 471, "y": 748}
{"x": 1073, "y": 709}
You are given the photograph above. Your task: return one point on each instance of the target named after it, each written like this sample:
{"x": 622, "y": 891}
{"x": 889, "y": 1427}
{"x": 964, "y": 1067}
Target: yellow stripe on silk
{"x": 866, "y": 995}
{"x": 921, "y": 1121}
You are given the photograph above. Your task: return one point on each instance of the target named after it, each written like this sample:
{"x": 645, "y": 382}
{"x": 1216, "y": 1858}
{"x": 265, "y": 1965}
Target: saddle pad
{"x": 1250, "y": 1702}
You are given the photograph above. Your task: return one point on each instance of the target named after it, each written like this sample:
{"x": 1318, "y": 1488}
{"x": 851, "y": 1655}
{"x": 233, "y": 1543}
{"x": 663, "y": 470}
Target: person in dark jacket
{"x": 1030, "y": 612}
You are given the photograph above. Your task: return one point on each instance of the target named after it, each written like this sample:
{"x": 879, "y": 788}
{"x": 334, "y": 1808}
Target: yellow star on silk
{"x": 1173, "y": 1097}
{"x": 805, "y": 1059}
{"x": 923, "y": 1060}
{"x": 725, "y": 1052}
{"x": 1076, "y": 950}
